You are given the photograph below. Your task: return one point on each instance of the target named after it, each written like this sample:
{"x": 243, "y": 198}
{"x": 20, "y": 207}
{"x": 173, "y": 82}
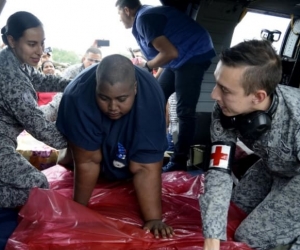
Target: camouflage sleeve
{"x": 214, "y": 203}
{"x": 50, "y": 110}
{"x": 48, "y": 83}
{"x": 68, "y": 73}
{"x": 298, "y": 144}
{"x": 20, "y": 102}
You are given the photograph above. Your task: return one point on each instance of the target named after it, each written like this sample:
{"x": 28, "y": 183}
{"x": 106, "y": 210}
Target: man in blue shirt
{"x": 171, "y": 40}
{"x": 113, "y": 117}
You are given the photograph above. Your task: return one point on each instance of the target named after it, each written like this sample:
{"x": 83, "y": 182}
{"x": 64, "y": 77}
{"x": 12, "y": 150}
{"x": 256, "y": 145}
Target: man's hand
{"x": 147, "y": 183}
{"x": 159, "y": 228}
{"x": 211, "y": 244}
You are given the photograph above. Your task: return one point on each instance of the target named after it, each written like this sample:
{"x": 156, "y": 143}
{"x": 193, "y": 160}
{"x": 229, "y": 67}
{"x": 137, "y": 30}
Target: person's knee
{"x": 240, "y": 234}
{"x": 245, "y": 234}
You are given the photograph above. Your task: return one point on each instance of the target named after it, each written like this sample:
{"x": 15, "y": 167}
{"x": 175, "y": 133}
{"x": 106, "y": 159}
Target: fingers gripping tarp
{"x": 51, "y": 220}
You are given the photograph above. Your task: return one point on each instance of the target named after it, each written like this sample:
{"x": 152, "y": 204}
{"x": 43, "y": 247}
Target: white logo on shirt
{"x": 118, "y": 164}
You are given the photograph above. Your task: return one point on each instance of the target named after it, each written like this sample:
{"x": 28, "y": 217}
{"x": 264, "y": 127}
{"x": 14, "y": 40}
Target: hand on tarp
{"x": 157, "y": 227}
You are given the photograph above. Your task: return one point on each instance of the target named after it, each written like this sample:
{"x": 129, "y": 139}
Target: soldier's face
{"x": 229, "y": 93}
{"x": 115, "y": 100}
{"x": 29, "y": 48}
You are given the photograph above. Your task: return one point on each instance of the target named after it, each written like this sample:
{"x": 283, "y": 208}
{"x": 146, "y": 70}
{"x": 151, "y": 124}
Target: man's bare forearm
{"x": 211, "y": 244}
{"x": 86, "y": 176}
{"x": 147, "y": 182}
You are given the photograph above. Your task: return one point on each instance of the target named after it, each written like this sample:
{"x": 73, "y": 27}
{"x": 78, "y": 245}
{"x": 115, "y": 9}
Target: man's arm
{"x": 86, "y": 173}
{"x": 215, "y": 200}
{"x": 147, "y": 183}
{"x": 211, "y": 244}
{"x": 167, "y": 52}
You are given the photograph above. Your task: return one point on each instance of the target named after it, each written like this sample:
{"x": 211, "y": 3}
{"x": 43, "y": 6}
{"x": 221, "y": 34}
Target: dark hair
{"x": 17, "y": 23}
{"x": 93, "y": 50}
{"x": 43, "y": 64}
{"x": 131, "y": 4}
{"x": 263, "y": 65}
{"x": 115, "y": 69}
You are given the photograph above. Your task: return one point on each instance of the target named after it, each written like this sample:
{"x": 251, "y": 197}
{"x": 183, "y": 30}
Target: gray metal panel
{"x": 219, "y": 18}
{"x": 2, "y": 3}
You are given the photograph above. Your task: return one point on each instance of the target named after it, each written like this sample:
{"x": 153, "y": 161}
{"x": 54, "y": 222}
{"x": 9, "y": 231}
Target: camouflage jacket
{"x": 279, "y": 149}
{"x": 72, "y": 71}
{"x": 18, "y": 103}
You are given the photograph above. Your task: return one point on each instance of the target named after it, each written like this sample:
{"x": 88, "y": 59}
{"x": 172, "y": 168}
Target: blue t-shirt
{"x": 139, "y": 136}
{"x": 192, "y": 41}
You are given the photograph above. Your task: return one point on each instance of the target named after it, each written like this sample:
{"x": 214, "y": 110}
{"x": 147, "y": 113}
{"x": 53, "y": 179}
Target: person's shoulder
{"x": 291, "y": 94}
{"x": 289, "y": 99}
{"x": 8, "y": 59}
{"x": 82, "y": 82}
{"x": 72, "y": 71}
{"x": 10, "y": 72}
{"x": 74, "y": 66}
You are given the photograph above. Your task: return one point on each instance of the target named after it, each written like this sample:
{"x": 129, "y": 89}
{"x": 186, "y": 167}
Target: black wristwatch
{"x": 147, "y": 67}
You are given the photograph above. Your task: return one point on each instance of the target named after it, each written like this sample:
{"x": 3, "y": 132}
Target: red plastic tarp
{"x": 51, "y": 220}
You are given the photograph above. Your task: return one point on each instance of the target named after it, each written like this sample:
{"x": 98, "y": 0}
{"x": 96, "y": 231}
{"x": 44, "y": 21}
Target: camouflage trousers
{"x": 272, "y": 204}
{"x": 17, "y": 177}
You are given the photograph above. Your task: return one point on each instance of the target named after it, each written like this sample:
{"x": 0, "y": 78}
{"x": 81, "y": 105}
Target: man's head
{"x": 116, "y": 86}
{"x": 127, "y": 10}
{"x": 47, "y": 55}
{"x": 246, "y": 75}
{"x": 92, "y": 56}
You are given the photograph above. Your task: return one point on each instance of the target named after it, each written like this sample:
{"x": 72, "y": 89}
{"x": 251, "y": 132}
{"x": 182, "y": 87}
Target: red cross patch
{"x": 219, "y": 156}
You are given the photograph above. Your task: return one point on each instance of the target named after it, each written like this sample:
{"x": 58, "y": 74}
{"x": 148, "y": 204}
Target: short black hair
{"x": 17, "y": 23}
{"x": 115, "y": 69}
{"x": 93, "y": 50}
{"x": 131, "y": 4}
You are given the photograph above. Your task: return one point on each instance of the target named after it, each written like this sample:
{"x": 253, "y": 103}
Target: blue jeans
{"x": 170, "y": 142}
{"x": 186, "y": 82}
{"x": 8, "y": 223}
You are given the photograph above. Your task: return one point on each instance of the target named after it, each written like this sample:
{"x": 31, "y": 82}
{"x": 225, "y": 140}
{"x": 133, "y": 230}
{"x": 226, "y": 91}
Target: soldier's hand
{"x": 159, "y": 228}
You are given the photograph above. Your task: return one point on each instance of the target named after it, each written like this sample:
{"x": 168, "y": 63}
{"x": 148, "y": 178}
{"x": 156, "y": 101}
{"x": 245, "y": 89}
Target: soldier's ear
{"x": 11, "y": 41}
{"x": 259, "y": 97}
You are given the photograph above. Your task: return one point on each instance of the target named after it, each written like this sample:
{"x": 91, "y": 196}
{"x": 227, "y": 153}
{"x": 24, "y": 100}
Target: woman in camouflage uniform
{"x": 19, "y": 81}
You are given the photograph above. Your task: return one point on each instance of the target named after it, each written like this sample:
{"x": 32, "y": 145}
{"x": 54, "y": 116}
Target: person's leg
{"x": 252, "y": 188}
{"x": 167, "y": 82}
{"x": 8, "y": 223}
{"x": 170, "y": 142}
{"x": 17, "y": 177}
{"x": 276, "y": 220}
{"x": 188, "y": 81}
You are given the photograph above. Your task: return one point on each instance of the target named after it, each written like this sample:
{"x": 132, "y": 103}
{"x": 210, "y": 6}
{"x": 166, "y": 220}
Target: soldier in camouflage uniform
{"x": 265, "y": 116}
{"x": 19, "y": 81}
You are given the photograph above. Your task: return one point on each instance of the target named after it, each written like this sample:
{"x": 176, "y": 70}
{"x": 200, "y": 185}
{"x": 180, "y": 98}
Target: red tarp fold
{"x": 51, "y": 220}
